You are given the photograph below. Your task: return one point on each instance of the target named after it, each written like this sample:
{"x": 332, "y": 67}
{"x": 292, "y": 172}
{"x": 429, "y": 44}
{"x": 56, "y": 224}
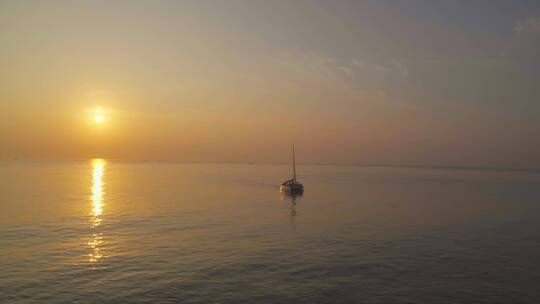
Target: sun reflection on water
{"x": 98, "y": 171}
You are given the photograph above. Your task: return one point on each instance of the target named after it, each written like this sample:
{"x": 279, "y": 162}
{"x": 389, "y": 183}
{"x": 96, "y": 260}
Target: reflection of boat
{"x": 292, "y": 185}
{"x": 292, "y": 197}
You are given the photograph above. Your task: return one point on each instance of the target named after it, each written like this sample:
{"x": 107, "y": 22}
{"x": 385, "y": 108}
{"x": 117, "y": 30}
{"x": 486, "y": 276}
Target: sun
{"x": 99, "y": 118}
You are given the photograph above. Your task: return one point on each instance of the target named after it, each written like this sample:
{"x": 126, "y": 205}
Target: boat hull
{"x": 298, "y": 188}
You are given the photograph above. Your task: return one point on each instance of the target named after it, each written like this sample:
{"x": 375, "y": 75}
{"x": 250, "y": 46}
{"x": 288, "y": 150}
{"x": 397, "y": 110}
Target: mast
{"x": 293, "y": 164}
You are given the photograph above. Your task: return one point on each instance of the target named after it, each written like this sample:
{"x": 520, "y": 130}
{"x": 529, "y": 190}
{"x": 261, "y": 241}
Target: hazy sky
{"x": 365, "y": 82}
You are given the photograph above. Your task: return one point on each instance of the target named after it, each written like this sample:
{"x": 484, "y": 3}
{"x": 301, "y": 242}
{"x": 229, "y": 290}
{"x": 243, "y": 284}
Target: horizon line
{"x": 379, "y": 165}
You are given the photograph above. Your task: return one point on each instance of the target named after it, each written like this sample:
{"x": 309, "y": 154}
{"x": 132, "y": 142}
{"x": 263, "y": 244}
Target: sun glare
{"x": 99, "y": 118}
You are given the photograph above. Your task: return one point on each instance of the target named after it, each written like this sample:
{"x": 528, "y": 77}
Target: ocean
{"x": 120, "y": 232}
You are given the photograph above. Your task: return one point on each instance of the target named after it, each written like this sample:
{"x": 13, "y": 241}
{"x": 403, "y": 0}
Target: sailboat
{"x": 292, "y": 185}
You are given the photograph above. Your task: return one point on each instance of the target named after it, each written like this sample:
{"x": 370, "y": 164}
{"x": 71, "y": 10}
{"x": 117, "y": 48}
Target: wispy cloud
{"x": 358, "y": 63}
{"x": 386, "y": 66}
{"x": 346, "y": 70}
{"x": 530, "y": 25}
{"x": 400, "y": 68}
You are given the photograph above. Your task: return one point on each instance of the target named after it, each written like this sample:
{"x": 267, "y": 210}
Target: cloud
{"x": 399, "y": 67}
{"x": 346, "y": 70}
{"x": 357, "y": 63}
{"x": 384, "y": 66}
{"x": 531, "y": 25}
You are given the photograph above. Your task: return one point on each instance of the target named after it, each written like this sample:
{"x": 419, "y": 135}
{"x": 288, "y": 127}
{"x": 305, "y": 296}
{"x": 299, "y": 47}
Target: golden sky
{"x": 374, "y": 82}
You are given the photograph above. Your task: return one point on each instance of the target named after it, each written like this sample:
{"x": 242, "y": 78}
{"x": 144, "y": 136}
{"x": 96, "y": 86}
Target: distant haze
{"x": 453, "y": 83}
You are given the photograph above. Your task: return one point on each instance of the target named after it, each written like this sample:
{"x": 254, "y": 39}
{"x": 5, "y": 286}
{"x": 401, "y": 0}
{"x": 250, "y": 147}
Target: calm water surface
{"x": 112, "y": 232}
